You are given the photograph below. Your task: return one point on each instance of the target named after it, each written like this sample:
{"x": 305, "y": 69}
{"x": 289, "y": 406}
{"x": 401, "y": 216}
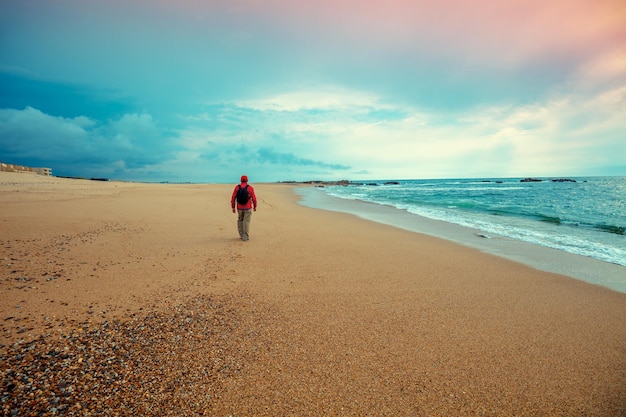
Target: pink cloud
{"x": 509, "y": 31}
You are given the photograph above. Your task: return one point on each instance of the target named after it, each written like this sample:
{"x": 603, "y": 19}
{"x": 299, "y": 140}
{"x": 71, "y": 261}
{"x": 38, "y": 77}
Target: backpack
{"x": 242, "y": 195}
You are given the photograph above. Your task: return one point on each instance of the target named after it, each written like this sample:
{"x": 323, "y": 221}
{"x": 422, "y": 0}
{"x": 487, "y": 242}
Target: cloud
{"x": 270, "y": 156}
{"x": 20, "y": 88}
{"x": 322, "y": 98}
{"x": 333, "y": 132}
{"x": 80, "y": 145}
{"x": 29, "y": 133}
{"x": 197, "y": 91}
{"x": 567, "y": 134}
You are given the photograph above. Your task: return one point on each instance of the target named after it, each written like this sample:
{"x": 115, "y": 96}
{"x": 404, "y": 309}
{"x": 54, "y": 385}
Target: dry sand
{"x": 140, "y": 299}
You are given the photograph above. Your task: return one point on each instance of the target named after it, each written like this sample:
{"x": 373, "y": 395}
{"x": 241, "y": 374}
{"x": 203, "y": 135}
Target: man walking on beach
{"x": 245, "y": 200}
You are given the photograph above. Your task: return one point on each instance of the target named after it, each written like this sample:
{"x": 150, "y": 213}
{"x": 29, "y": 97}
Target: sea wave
{"x": 545, "y": 215}
{"x": 618, "y": 230}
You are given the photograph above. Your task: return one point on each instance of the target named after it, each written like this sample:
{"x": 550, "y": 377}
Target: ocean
{"x": 585, "y": 217}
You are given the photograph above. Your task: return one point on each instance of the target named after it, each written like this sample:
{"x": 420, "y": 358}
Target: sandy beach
{"x": 140, "y": 299}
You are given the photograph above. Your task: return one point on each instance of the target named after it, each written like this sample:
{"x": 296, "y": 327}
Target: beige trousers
{"x": 243, "y": 223}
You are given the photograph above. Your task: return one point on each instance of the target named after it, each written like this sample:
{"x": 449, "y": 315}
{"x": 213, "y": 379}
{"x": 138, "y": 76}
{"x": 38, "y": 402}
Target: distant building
{"x": 20, "y": 168}
{"x": 44, "y": 171}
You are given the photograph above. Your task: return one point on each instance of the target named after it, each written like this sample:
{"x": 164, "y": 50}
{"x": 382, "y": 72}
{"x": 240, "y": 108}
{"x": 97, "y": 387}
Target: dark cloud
{"x": 269, "y": 155}
{"x": 58, "y": 98}
{"x": 81, "y": 146}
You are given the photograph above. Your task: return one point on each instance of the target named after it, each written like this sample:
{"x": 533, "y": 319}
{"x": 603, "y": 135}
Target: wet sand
{"x": 121, "y": 299}
{"x": 547, "y": 259}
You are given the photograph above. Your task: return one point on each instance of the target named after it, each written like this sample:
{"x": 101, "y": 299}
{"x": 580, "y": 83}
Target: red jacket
{"x": 251, "y": 201}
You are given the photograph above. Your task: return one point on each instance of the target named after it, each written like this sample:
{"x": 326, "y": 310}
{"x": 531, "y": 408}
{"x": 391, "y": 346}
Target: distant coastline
{"x": 321, "y": 183}
{"x": 6, "y": 167}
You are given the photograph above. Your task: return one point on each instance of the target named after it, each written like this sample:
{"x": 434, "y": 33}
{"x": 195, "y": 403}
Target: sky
{"x": 290, "y": 90}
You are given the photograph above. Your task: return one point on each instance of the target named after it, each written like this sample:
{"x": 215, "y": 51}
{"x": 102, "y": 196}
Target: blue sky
{"x": 204, "y": 91}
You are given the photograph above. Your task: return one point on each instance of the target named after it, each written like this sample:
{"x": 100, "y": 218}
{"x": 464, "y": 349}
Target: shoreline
{"x": 543, "y": 258}
{"x": 140, "y": 299}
